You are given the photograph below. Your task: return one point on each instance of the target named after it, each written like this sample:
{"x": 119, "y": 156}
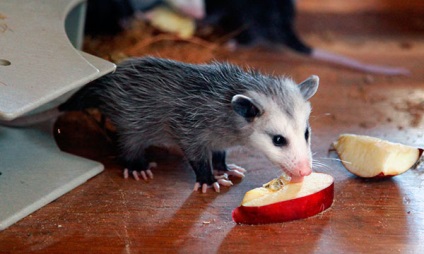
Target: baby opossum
{"x": 272, "y": 21}
{"x": 203, "y": 109}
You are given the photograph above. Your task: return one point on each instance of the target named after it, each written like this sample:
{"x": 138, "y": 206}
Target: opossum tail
{"x": 293, "y": 42}
{"x": 351, "y": 63}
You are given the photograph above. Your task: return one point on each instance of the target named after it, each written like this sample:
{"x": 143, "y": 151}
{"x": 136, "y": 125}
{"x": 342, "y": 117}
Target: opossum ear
{"x": 245, "y": 107}
{"x": 309, "y": 87}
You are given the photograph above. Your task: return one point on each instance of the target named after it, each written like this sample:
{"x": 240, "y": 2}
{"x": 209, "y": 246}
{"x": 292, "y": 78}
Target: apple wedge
{"x": 369, "y": 157}
{"x": 286, "y": 201}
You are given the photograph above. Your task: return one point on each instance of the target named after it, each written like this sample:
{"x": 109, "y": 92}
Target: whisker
{"x": 317, "y": 117}
{"x": 335, "y": 159}
{"x": 319, "y": 164}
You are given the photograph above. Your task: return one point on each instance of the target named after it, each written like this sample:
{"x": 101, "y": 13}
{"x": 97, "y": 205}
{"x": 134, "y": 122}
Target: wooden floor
{"x": 111, "y": 215}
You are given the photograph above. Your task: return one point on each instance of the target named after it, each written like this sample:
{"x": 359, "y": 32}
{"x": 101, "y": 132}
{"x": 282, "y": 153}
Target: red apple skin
{"x": 288, "y": 210}
{"x": 383, "y": 176}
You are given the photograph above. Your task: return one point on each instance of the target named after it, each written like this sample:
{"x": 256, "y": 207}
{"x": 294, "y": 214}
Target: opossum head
{"x": 279, "y": 124}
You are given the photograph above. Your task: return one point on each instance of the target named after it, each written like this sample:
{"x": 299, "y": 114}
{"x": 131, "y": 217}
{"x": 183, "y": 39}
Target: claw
{"x": 224, "y": 182}
{"x": 204, "y": 188}
{"x": 135, "y": 175}
{"x": 149, "y": 173}
{"x": 196, "y": 186}
{"x": 236, "y": 171}
{"x": 126, "y": 173}
{"x": 223, "y": 176}
{"x": 143, "y": 175}
{"x": 216, "y": 187}
{"x": 238, "y": 168}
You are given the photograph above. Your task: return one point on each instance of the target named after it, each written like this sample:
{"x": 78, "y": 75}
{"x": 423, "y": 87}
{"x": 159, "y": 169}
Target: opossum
{"x": 204, "y": 110}
{"x": 272, "y": 22}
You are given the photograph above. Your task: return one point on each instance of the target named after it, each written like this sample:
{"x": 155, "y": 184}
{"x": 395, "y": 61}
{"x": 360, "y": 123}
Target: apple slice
{"x": 278, "y": 201}
{"x": 369, "y": 157}
{"x": 169, "y": 21}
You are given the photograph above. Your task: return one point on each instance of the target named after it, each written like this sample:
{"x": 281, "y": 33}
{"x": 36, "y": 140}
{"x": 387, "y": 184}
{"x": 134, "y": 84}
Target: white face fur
{"x": 282, "y": 136}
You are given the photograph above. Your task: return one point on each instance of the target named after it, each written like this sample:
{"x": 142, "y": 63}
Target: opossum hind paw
{"x": 221, "y": 178}
{"x": 143, "y": 174}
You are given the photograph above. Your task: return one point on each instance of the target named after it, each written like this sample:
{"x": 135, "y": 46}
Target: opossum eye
{"x": 307, "y": 134}
{"x": 279, "y": 140}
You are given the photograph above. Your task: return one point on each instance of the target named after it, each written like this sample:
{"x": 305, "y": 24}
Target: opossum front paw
{"x": 221, "y": 180}
{"x": 221, "y": 167}
{"x": 145, "y": 174}
{"x": 204, "y": 187}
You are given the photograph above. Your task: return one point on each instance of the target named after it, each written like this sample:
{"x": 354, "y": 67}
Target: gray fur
{"x": 155, "y": 101}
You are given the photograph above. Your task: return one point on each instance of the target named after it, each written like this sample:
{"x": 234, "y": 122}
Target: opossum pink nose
{"x": 304, "y": 168}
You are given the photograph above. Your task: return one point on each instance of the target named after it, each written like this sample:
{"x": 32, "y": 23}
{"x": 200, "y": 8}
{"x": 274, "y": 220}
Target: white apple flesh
{"x": 294, "y": 200}
{"x": 370, "y": 157}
